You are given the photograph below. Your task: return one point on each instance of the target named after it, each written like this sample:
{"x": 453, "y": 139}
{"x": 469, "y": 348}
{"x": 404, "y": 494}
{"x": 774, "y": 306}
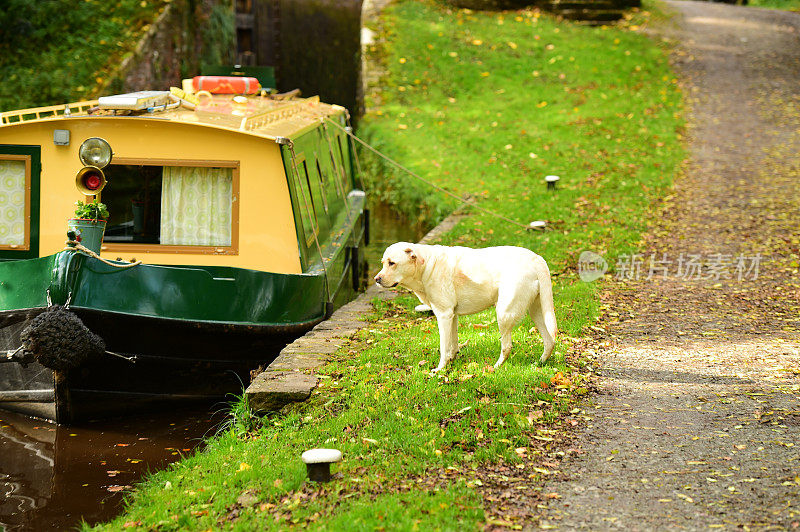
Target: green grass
{"x": 491, "y": 120}
{"x": 600, "y": 108}
{"x": 398, "y": 428}
{"x": 62, "y": 50}
{"x": 791, "y": 5}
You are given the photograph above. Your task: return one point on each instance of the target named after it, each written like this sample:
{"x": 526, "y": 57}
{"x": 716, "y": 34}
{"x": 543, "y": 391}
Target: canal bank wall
{"x": 291, "y": 376}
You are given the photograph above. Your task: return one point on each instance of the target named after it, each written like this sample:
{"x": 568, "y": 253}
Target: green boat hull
{"x": 195, "y": 332}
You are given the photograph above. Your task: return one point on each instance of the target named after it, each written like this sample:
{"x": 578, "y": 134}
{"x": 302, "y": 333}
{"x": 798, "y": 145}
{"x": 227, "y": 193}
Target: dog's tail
{"x": 545, "y": 302}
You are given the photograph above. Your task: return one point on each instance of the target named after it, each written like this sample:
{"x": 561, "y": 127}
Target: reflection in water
{"x": 53, "y": 477}
{"x": 388, "y": 227}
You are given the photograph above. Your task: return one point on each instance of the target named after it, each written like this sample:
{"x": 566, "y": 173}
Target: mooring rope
{"x": 429, "y": 183}
{"x": 132, "y": 359}
{"x": 75, "y": 245}
{"x": 9, "y": 355}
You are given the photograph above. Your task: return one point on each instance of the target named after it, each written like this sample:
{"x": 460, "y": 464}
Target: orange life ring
{"x": 226, "y": 84}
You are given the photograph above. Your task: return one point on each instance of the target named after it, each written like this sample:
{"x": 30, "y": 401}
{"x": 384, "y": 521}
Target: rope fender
{"x": 59, "y": 340}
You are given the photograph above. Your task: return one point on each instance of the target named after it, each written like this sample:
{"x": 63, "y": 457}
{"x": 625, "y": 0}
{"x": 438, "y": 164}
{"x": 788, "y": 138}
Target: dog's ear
{"x": 413, "y": 256}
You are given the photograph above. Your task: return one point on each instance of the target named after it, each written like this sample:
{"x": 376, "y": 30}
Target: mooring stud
{"x": 551, "y": 181}
{"x": 538, "y": 225}
{"x": 318, "y": 463}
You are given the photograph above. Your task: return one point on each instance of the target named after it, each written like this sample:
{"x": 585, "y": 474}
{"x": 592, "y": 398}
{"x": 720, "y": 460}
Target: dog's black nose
{"x": 378, "y": 279}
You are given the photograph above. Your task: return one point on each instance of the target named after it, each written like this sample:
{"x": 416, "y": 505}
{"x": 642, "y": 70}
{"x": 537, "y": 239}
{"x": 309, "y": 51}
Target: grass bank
{"x": 484, "y": 104}
{"x": 789, "y": 5}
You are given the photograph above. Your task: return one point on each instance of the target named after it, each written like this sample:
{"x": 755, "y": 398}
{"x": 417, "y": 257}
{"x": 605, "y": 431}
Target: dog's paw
{"x": 423, "y": 308}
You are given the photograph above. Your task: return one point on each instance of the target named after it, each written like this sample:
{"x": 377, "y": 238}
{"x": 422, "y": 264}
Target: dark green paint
{"x": 36, "y": 169}
{"x": 334, "y": 183}
{"x": 217, "y": 294}
{"x": 194, "y": 293}
{"x": 24, "y": 283}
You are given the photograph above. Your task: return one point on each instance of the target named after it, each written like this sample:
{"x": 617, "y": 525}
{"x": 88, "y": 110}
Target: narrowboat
{"x": 237, "y": 222}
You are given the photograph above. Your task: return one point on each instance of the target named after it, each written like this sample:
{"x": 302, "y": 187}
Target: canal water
{"x": 52, "y": 477}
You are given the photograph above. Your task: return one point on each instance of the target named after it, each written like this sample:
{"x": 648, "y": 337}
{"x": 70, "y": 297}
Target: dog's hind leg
{"x": 545, "y": 320}
{"x": 510, "y": 309}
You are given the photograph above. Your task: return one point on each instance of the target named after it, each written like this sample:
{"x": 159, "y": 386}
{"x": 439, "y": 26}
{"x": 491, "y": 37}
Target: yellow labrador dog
{"x": 455, "y": 281}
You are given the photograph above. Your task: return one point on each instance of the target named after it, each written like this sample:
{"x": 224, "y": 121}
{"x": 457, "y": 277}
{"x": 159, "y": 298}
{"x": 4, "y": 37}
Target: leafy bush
{"x": 56, "y": 51}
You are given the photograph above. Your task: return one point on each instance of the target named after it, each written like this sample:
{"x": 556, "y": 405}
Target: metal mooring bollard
{"x": 538, "y": 225}
{"x": 318, "y": 463}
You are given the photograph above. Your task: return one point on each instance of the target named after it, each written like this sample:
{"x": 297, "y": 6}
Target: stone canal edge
{"x": 290, "y": 377}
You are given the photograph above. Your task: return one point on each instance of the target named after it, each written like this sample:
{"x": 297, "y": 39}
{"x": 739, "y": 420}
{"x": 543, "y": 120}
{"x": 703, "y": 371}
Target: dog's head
{"x": 401, "y": 263}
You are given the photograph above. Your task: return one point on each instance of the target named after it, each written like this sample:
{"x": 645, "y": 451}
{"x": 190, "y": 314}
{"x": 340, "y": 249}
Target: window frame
{"x": 233, "y": 249}
{"x": 306, "y": 203}
{"x": 28, "y": 159}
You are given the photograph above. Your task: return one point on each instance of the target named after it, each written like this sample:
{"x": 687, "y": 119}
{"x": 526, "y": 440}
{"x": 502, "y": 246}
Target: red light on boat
{"x": 90, "y": 180}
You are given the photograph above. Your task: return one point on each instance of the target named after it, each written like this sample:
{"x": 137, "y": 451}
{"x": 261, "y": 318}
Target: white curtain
{"x": 196, "y": 206}
{"x": 12, "y": 203}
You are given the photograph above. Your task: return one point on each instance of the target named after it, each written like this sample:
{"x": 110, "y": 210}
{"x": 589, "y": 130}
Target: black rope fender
{"x": 59, "y": 340}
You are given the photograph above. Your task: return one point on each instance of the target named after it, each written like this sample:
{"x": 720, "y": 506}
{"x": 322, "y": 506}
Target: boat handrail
{"x": 39, "y": 113}
{"x": 259, "y": 120}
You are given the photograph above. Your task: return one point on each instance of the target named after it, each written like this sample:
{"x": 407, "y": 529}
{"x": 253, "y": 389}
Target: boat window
{"x": 173, "y": 205}
{"x": 337, "y": 169}
{"x": 307, "y": 211}
{"x": 305, "y": 183}
{"x": 14, "y": 192}
{"x": 133, "y": 197}
{"x": 345, "y": 184}
{"x": 322, "y": 184}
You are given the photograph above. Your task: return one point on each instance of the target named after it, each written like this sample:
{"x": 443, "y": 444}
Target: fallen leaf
{"x": 534, "y": 415}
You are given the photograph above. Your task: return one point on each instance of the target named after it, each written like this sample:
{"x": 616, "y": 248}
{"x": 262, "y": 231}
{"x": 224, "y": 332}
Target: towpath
{"x": 697, "y": 424}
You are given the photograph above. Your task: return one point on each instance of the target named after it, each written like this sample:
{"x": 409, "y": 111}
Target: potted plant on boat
{"x": 89, "y": 224}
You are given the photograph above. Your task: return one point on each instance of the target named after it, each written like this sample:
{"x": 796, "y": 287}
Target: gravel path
{"x": 697, "y": 424}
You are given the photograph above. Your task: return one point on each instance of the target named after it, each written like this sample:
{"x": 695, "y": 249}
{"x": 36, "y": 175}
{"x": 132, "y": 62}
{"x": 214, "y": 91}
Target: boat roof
{"x": 260, "y": 115}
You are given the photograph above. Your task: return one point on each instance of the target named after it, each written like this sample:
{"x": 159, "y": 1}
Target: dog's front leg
{"x": 448, "y": 328}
